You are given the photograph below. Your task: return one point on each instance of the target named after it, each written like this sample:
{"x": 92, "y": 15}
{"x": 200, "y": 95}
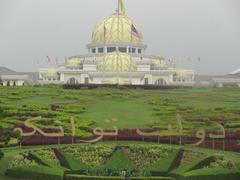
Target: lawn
{"x": 128, "y": 113}
{"x": 133, "y": 108}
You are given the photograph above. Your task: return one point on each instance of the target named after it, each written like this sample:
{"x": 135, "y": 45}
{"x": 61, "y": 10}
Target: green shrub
{"x": 75, "y": 164}
{"x": 81, "y": 177}
{"x": 163, "y": 165}
{"x": 152, "y": 178}
{"x": 35, "y": 173}
{"x": 212, "y": 174}
{"x": 195, "y": 164}
{"x": 119, "y": 162}
{"x": 1, "y": 155}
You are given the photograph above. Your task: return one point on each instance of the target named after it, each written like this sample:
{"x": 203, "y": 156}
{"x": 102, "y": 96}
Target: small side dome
{"x": 158, "y": 64}
{"x": 181, "y": 73}
{"x": 74, "y": 62}
{"x": 52, "y": 72}
{"x": 117, "y": 62}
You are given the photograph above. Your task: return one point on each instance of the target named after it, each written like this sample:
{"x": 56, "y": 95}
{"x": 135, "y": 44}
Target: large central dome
{"x": 117, "y": 28}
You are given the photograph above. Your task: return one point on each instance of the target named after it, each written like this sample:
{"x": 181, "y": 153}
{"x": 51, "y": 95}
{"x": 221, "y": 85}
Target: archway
{"x": 161, "y": 82}
{"x": 72, "y": 81}
{"x": 8, "y": 83}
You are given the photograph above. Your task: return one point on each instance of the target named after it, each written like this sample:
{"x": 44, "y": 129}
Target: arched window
{"x": 72, "y": 81}
{"x": 160, "y": 82}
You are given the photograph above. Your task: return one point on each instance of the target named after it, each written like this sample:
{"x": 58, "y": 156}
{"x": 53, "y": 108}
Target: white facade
{"x": 116, "y": 55}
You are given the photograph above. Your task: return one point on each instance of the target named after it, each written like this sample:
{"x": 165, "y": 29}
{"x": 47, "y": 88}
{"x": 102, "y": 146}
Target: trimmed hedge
{"x": 35, "y": 173}
{"x": 212, "y": 174}
{"x": 74, "y": 164}
{"x": 1, "y": 155}
{"x": 195, "y": 164}
{"x": 77, "y": 177}
{"x": 43, "y": 161}
{"x": 163, "y": 165}
{"x": 119, "y": 162}
{"x": 152, "y": 178}
{"x": 81, "y": 177}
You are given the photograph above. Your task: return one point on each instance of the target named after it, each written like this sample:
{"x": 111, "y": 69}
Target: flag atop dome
{"x": 135, "y": 31}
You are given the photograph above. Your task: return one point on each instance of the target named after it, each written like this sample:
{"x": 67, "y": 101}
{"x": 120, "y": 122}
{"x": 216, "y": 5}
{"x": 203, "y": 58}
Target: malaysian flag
{"x": 105, "y": 32}
{"x": 135, "y": 32}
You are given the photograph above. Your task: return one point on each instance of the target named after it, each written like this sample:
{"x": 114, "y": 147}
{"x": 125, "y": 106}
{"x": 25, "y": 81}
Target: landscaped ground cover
{"x": 116, "y": 158}
{"x": 199, "y": 107}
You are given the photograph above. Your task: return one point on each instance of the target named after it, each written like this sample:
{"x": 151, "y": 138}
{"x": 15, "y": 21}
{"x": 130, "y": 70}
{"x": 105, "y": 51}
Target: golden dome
{"x": 116, "y": 62}
{"x": 51, "y": 72}
{"x": 117, "y": 28}
{"x": 181, "y": 73}
{"x": 158, "y": 63}
{"x": 74, "y": 61}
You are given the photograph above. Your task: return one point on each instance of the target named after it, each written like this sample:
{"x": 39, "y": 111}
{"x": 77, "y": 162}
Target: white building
{"x": 117, "y": 55}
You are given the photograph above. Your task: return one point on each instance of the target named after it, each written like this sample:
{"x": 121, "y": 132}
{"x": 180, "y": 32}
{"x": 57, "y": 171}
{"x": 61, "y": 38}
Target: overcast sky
{"x": 177, "y": 29}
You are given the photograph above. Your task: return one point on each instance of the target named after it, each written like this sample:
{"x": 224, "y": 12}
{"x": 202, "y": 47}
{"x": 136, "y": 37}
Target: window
{"x": 93, "y": 50}
{"x": 129, "y": 50}
{"x": 86, "y": 80}
{"x": 111, "y": 49}
{"x": 133, "y": 50}
{"x": 139, "y": 51}
{"x": 145, "y": 81}
{"x": 122, "y": 49}
{"x": 100, "y": 50}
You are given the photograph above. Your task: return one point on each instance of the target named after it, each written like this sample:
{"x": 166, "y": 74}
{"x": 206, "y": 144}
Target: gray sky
{"x": 32, "y": 29}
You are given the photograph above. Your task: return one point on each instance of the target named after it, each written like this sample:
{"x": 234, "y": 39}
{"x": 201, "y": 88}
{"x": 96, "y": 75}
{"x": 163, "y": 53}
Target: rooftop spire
{"x": 122, "y": 5}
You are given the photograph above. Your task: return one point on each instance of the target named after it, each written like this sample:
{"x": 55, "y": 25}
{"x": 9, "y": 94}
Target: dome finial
{"x": 121, "y": 4}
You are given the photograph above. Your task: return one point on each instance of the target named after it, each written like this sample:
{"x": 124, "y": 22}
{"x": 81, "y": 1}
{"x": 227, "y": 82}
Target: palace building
{"x": 117, "y": 55}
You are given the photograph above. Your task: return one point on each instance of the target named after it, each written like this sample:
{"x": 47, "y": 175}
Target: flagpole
{"x": 118, "y": 11}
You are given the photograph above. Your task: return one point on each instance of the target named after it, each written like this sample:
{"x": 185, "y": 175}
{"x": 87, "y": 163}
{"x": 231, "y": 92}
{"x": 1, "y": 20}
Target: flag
{"x": 48, "y": 59}
{"x": 135, "y": 32}
{"x": 66, "y": 59}
{"x": 104, "y": 32}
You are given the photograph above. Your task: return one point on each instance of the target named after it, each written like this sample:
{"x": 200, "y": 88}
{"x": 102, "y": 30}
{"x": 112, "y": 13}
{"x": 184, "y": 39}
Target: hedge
{"x": 1, "y": 155}
{"x": 164, "y": 165}
{"x": 195, "y": 164}
{"x": 35, "y": 173}
{"x": 81, "y": 177}
{"x": 74, "y": 164}
{"x": 43, "y": 161}
{"x": 119, "y": 162}
{"x": 212, "y": 174}
{"x": 152, "y": 178}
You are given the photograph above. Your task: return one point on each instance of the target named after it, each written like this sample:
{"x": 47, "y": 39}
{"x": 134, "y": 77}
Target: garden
{"x": 120, "y": 160}
{"x": 127, "y": 112}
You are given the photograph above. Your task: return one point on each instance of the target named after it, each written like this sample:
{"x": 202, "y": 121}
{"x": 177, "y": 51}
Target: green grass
{"x": 119, "y": 161}
{"x": 134, "y": 108}
{"x": 212, "y": 174}
{"x": 36, "y": 173}
{"x": 164, "y": 165}
{"x": 74, "y": 164}
{"x": 129, "y": 113}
